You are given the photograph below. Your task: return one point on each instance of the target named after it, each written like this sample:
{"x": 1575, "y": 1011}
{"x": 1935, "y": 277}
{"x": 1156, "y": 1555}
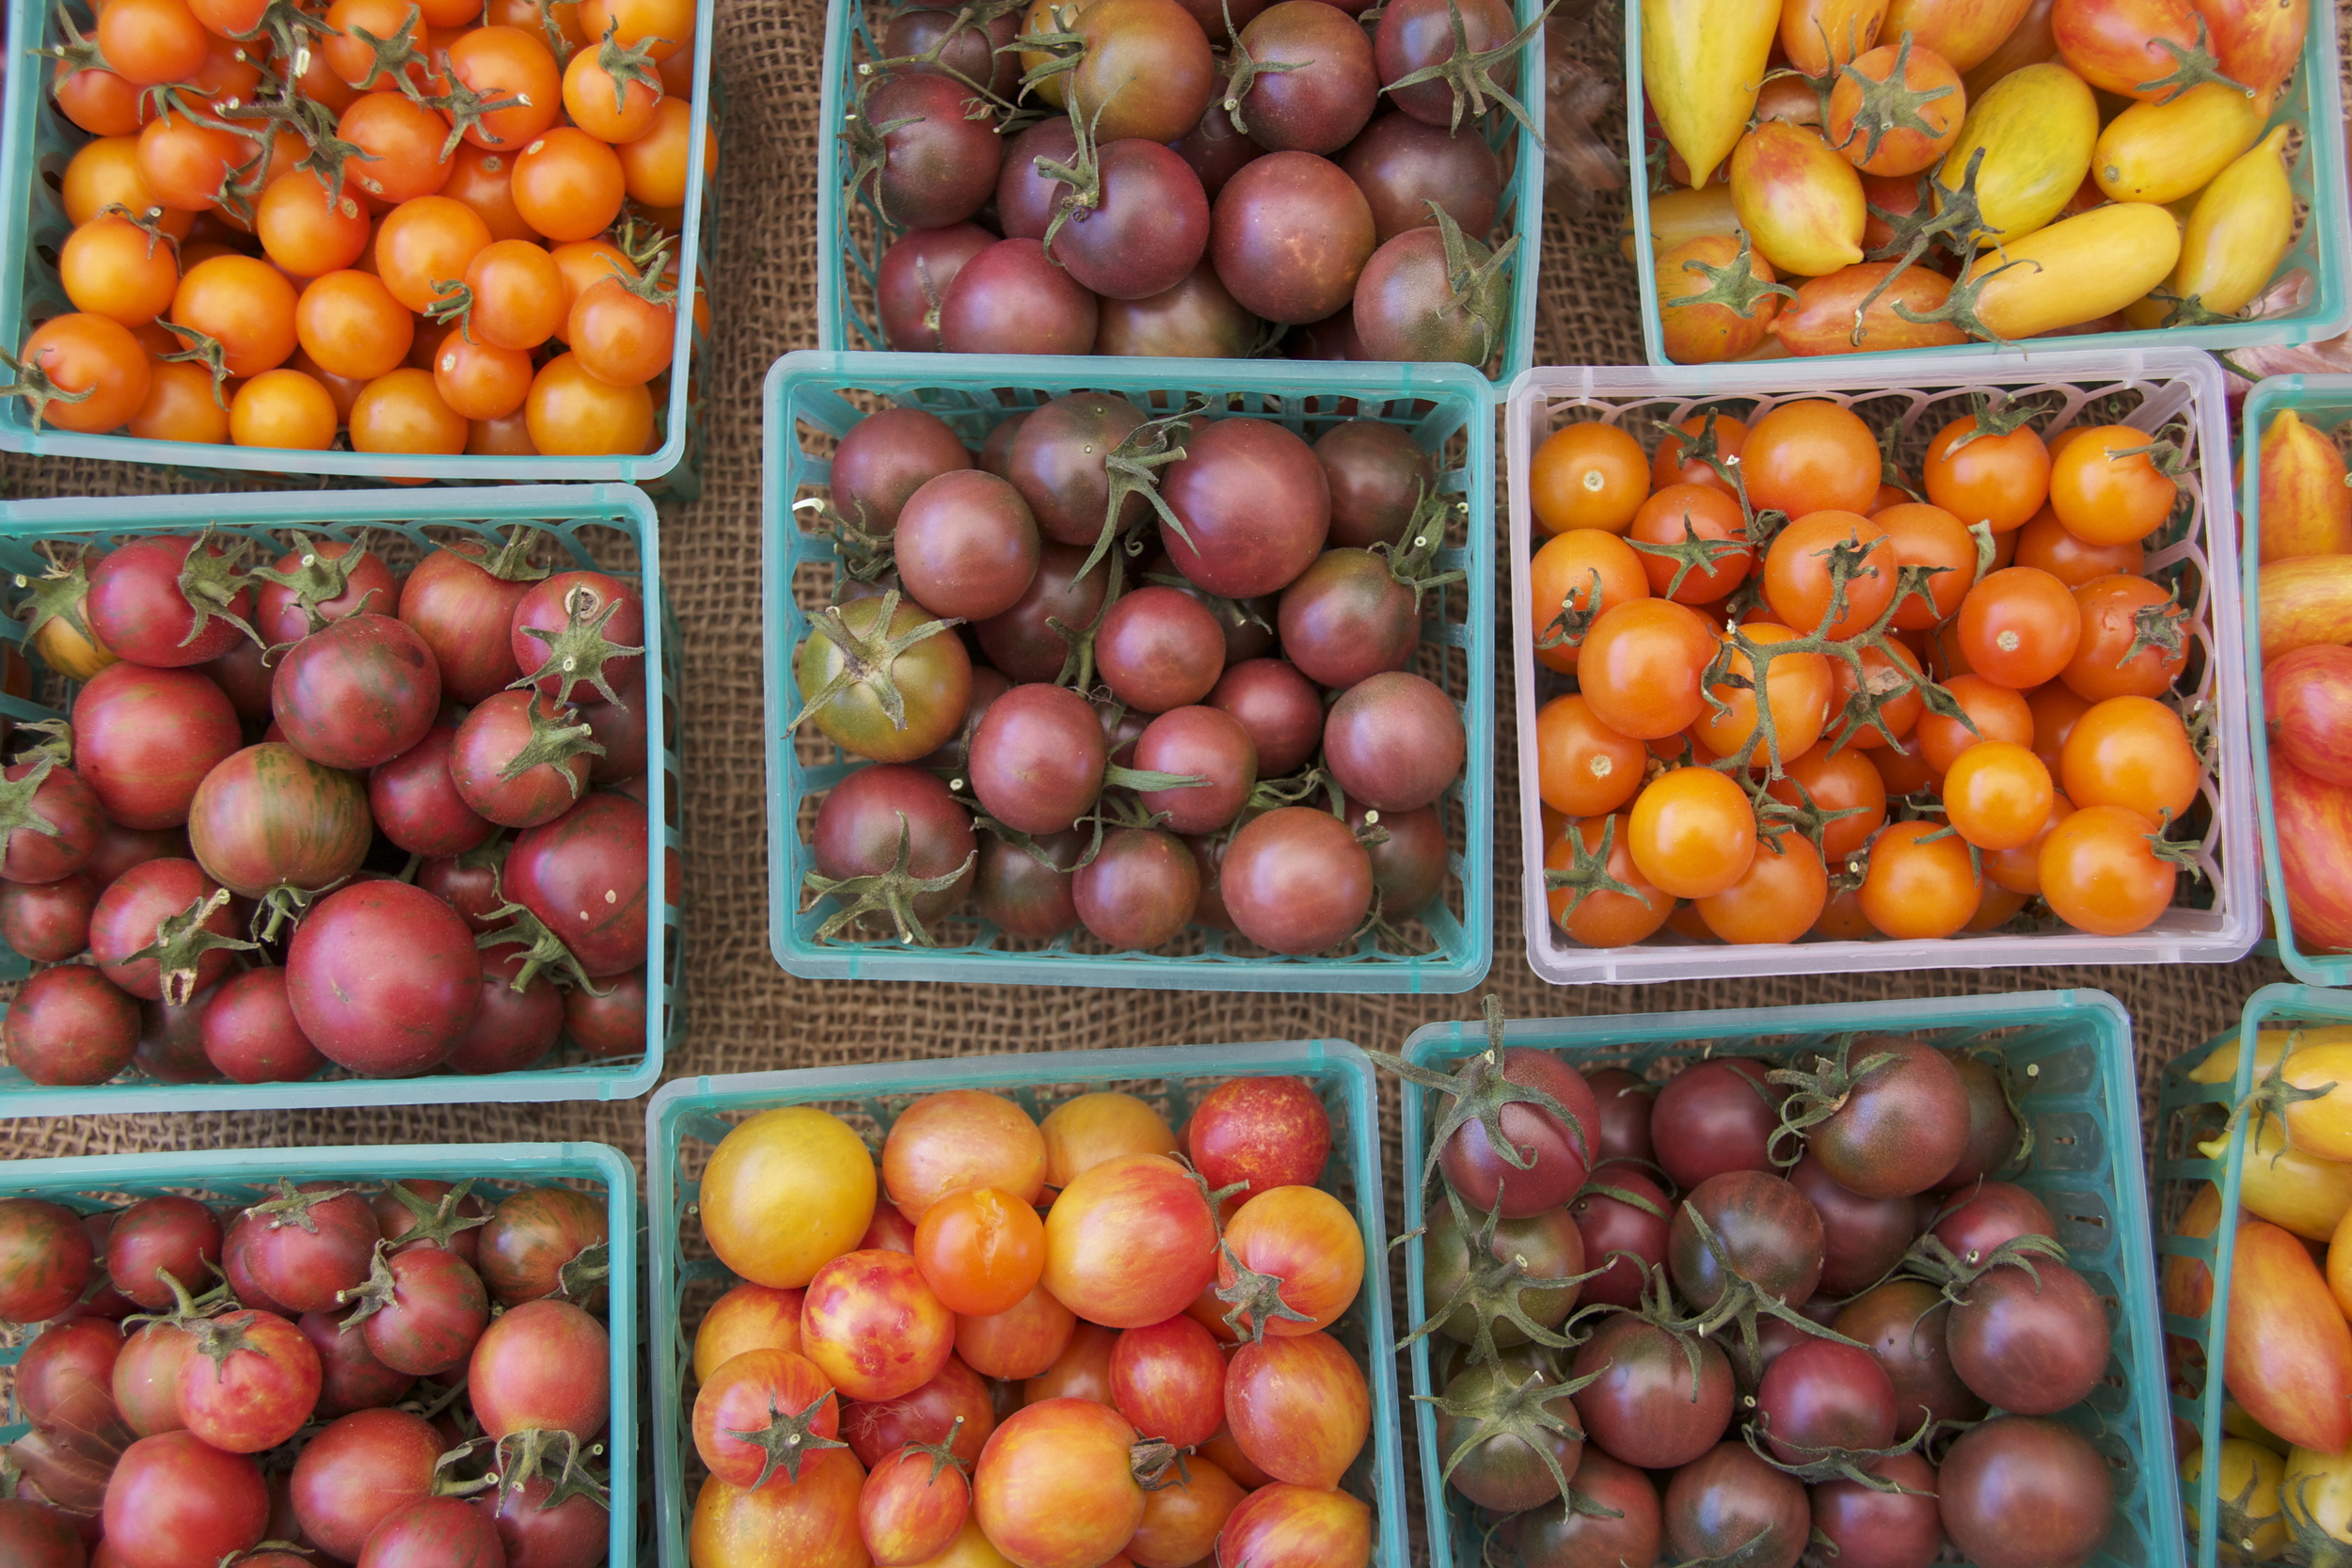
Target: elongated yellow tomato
{"x": 2315, "y": 1495}
{"x": 2088, "y": 266}
{"x": 2249, "y": 1526}
{"x": 2269, "y": 1044}
{"x": 1818, "y": 36}
{"x": 1798, "y": 198}
{"x": 1702, "y": 63}
{"x": 2306, "y": 501}
{"x": 1681, "y": 214}
{"x": 2035, "y": 127}
{"x": 1964, "y": 32}
{"x": 2239, "y": 232}
{"x": 2307, "y": 1195}
{"x": 2322, "y": 1124}
{"x": 2163, "y": 151}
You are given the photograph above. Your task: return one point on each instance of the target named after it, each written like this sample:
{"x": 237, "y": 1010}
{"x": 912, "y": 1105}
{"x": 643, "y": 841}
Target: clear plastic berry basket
{"x": 2069, "y": 1052}
{"x": 1446, "y": 411}
{"x": 2313, "y": 284}
{"x": 2217, "y": 916}
{"x": 852, "y": 233}
{"x": 36, "y": 144}
{"x": 686, "y": 1120}
{"x": 609, "y": 527}
{"x": 2324, "y": 402}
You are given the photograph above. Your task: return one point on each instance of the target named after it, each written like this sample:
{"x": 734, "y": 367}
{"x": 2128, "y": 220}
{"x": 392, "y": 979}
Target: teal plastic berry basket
{"x": 852, "y": 235}
{"x": 2069, "y": 1054}
{"x": 37, "y": 142}
{"x": 689, "y": 1117}
{"x": 237, "y": 1177}
{"x": 2324, "y": 402}
{"x": 2321, "y": 303}
{"x": 1445, "y": 408}
{"x": 2189, "y": 1113}
{"x": 609, "y": 527}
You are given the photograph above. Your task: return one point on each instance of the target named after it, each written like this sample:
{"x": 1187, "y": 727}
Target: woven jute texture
{"x": 744, "y": 1014}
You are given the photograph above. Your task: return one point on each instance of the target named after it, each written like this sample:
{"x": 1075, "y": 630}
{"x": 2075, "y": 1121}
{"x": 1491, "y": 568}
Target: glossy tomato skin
{"x": 124, "y": 921}
{"x": 1254, "y": 503}
{"x": 463, "y": 611}
{"x": 1168, "y": 1380}
{"x": 1729, "y": 1501}
{"x": 136, "y": 606}
{"x": 350, "y": 1377}
{"x": 1646, "y": 1408}
{"x": 45, "y": 1260}
{"x": 1270, "y": 1132}
{"x": 961, "y": 1138}
{"x": 1307, "y": 1239}
{"x": 1283, "y": 1526}
{"x": 910, "y": 1510}
{"x": 1901, "y": 1127}
{"x": 813, "y": 1522}
{"x": 749, "y": 1394}
{"x": 44, "y": 1537}
{"x": 47, "y": 922}
{"x": 70, "y": 1025}
{"x": 2021, "y": 1490}
{"x": 358, "y": 1469}
{"x": 1024, "y": 1341}
{"x": 383, "y": 978}
{"x": 804, "y": 1160}
{"x": 1904, "y": 1322}
{"x": 544, "y": 1364}
{"x": 251, "y": 1382}
{"x": 1053, "y": 1487}
{"x": 1861, "y": 1238}
{"x": 1557, "y": 1154}
{"x": 585, "y": 875}
{"x": 1883, "y": 1530}
{"x": 877, "y": 1428}
{"x": 871, "y": 1323}
{"x": 1979, "y": 1218}
{"x": 1606, "y": 1224}
{"x": 1558, "y": 1535}
{"x": 436, "y": 1316}
{"x": 64, "y": 1377}
{"x": 269, "y": 816}
{"x": 434, "y": 1532}
{"x": 145, "y": 738}
{"x": 537, "y": 1533}
{"x": 2287, "y": 1361}
{"x": 358, "y": 693}
{"x": 1715, "y": 1116}
{"x": 1294, "y": 879}
{"x": 173, "y": 1497}
{"x": 531, "y": 1236}
{"x": 303, "y": 1257}
{"x": 1819, "y": 1394}
{"x": 1130, "y": 1242}
{"x": 1769, "y": 1234}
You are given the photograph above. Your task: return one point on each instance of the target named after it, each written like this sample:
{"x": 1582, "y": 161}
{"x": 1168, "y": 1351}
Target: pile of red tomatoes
{"x": 431, "y": 228}
{"x": 408, "y": 1378}
{"x": 313, "y": 814}
{"x": 1190, "y": 178}
{"x": 1757, "y": 1308}
{"x": 1129, "y": 705}
{"x": 1144, "y": 1374}
{"x": 1972, "y": 700}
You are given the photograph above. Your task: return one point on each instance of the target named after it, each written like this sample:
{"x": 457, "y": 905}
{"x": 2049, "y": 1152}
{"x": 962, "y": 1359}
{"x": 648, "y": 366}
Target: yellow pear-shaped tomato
{"x": 1710, "y": 305}
{"x": 2088, "y": 266}
{"x": 2269, "y": 1044}
{"x": 1678, "y": 215}
{"x": 2163, "y": 151}
{"x": 2239, "y": 232}
{"x": 2036, "y": 128}
{"x": 2322, "y": 1125}
{"x": 2253, "y": 1526}
{"x": 1796, "y": 199}
{"x": 1818, "y": 36}
{"x": 2307, "y": 1195}
{"x": 1701, "y": 62}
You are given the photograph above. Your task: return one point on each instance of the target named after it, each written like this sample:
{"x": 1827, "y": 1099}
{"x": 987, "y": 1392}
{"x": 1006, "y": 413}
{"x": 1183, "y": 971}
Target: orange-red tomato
{"x": 507, "y": 63}
{"x": 1692, "y": 831}
{"x": 1997, "y": 795}
{"x": 1024, "y": 1341}
{"x": 1811, "y": 455}
{"x": 1777, "y": 899}
{"x": 1587, "y": 475}
{"x": 2055, "y": 707}
{"x": 754, "y": 1393}
{"x": 350, "y": 324}
{"x": 1181, "y": 1521}
{"x": 912, "y": 1509}
{"x": 1932, "y": 538}
{"x": 2045, "y": 542}
{"x": 245, "y": 304}
{"x": 1842, "y": 780}
{"x": 402, "y": 412}
{"x": 518, "y": 295}
{"x": 610, "y": 108}
{"x": 112, "y": 267}
{"x": 1604, "y": 918}
{"x": 1081, "y": 1370}
{"x": 571, "y": 413}
{"x": 873, "y": 1327}
{"x": 1979, "y": 477}
{"x": 749, "y": 1317}
{"x": 94, "y": 355}
{"x": 1564, "y": 578}
{"x": 2107, "y": 489}
{"x": 1130, "y": 1242}
{"x": 1892, "y": 669}
{"x": 148, "y": 43}
{"x": 980, "y": 1251}
{"x": 2101, "y": 874}
{"x": 1905, "y": 770}
{"x": 1797, "y": 688}
{"x": 1670, "y": 463}
{"x": 2126, "y": 622}
{"x": 654, "y": 167}
{"x": 1299, "y": 1406}
{"x": 2019, "y": 869}
{"x": 567, "y": 185}
{"x": 479, "y": 381}
{"x": 180, "y": 406}
{"x": 2133, "y": 753}
{"x": 403, "y": 139}
{"x": 2289, "y": 1359}
{"x": 1056, "y": 1486}
{"x": 619, "y": 335}
{"x": 1919, "y": 884}
{"x": 283, "y": 408}
{"x": 1704, "y": 527}
{"x": 2019, "y": 627}
{"x": 425, "y": 244}
{"x": 1283, "y": 1526}
{"x": 1800, "y": 572}
{"x": 1639, "y": 667}
{"x": 1997, "y": 712}
{"x": 1304, "y": 1239}
{"x": 1891, "y": 145}
{"x": 1168, "y": 1378}
{"x": 483, "y": 179}
{"x": 1582, "y": 767}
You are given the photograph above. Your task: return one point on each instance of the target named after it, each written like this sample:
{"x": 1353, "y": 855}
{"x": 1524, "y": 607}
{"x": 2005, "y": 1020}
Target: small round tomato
{"x": 1299, "y": 1407}
{"x": 2100, "y": 872}
{"x": 980, "y": 1250}
{"x": 1919, "y": 884}
{"x": 351, "y": 325}
{"x": 1056, "y": 1485}
{"x": 112, "y": 267}
{"x": 2055, "y": 707}
{"x": 2107, "y": 489}
{"x": 1603, "y": 917}
{"x": 1672, "y": 465}
{"x": 572, "y": 414}
{"x": 91, "y": 355}
{"x": 567, "y": 185}
{"x": 654, "y": 167}
{"x": 1639, "y": 667}
{"x": 1996, "y": 712}
{"x": 1022, "y": 1342}
{"x": 1801, "y": 572}
{"x": 1983, "y": 475}
{"x": 1587, "y": 475}
{"x": 1997, "y": 795}
{"x": 1582, "y": 767}
{"x": 1812, "y": 455}
{"x": 2135, "y": 640}
{"x": 179, "y": 406}
{"x": 308, "y": 228}
{"x": 1082, "y": 1133}
{"x": 1575, "y": 577}
{"x": 2019, "y": 627}
{"x": 2045, "y": 542}
{"x": 404, "y": 412}
{"x": 1777, "y": 899}
{"x": 1692, "y": 832}
{"x": 1301, "y": 1244}
{"x": 1798, "y": 690}
{"x": 749, "y": 1317}
{"x": 1893, "y": 673}
{"x": 507, "y": 63}
{"x": 620, "y": 335}
{"x": 1168, "y": 1378}
{"x": 763, "y": 1412}
{"x": 1840, "y": 781}
{"x": 2133, "y": 753}
{"x": 2019, "y": 869}
{"x": 873, "y": 1327}
{"x": 283, "y": 408}
{"x": 1932, "y": 539}
{"x": 1693, "y": 544}
{"x": 518, "y": 295}
{"x": 1900, "y": 142}
{"x": 424, "y": 248}
{"x": 1130, "y": 1241}
{"x": 784, "y": 1192}
{"x": 610, "y": 108}
{"x": 961, "y": 1138}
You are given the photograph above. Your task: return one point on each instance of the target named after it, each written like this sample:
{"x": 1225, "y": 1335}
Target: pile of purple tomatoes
{"x": 403, "y": 1378}
{"x": 308, "y": 813}
{"x": 1191, "y": 178}
{"x": 1755, "y": 1307}
{"x": 1126, "y": 673}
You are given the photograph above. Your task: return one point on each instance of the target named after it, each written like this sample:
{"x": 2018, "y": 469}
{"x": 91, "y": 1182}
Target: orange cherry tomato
{"x": 1905, "y": 770}
{"x": 1895, "y": 672}
{"x": 1564, "y": 578}
{"x": 1670, "y": 463}
{"x": 1800, "y": 572}
{"x": 1639, "y": 667}
{"x": 2101, "y": 874}
{"x": 1777, "y": 899}
{"x": 480, "y": 381}
{"x": 1692, "y": 542}
{"x": 1603, "y": 917}
{"x": 403, "y": 139}
{"x": 2133, "y": 753}
{"x": 2055, "y": 706}
{"x": 1582, "y": 767}
{"x": 1929, "y": 537}
{"x": 483, "y": 179}
{"x": 350, "y": 324}
{"x": 307, "y": 231}
{"x": 112, "y": 267}
{"x": 664, "y": 27}
{"x": 147, "y": 43}
{"x": 2135, "y": 640}
{"x": 2019, "y": 868}
{"x": 402, "y": 412}
{"x": 1841, "y": 919}
{"x": 2019, "y": 627}
{"x": 1998, "y": 713}
{"x": 518, "y": 295}
{"x": 506, "y": 437}
{"x": 1587, "y": 475}
{"x": 620, "y": 335}
{"x": 1835, "y": 782}
{"x": 245, "y": 304}
{"x": 567, "y": 185}
{"x": 424, "y": 245}
{"x": 105, "y": 173}
{"x": 1996, "y": 908}
{"x": 1692, "y": 831}
{"x": 1811, "y": 455}
{"x": 980, "y": 1250}
{"x": 1919, "y": 884}
{"x": 2045, "y": 543}
{"x": 2107, "y": 489}
{"x": 181, "y": 405}
{"x": 1997, "y": 795}
{"x": 283, "y": 408}
{"x": 586, "y": 261}
{"x": 654, "y": 167}
{"x": 1797, "y": 688}
{"x": 500, "y": 63}
{"x": 1980, "y": 476}
{"x": 610, "y": 108}
{"x": 570, "y": 413}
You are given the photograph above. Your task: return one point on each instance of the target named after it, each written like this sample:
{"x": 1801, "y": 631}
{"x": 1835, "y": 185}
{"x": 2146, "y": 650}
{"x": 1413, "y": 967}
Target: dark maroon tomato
{"x": 939, "y": 166}
{"x": 351, "y": 1378}
{"x": 1394, "y": 741}
{"x": 65, "y": 1378}
{"x": 1728, "y": 1504}
{"x": 140, "y": 606}
{"x": 361, "y": 1467}
{"x": 124, "y": 926}
{"x": 438, "y": 1532}
{"x": 119, "y": 848}
{"x": 1321, "y": 102}
{"x": 534, "y": 1236}
{"x": 270, "y": 817}
{"x": 1547, "y": 1246}
{"x": 383, "y": 977}
{"x": 1027, "y": 196}
{"x": 1196, "y": 318}
{"x": 1246, "y": 624}
{"x": 1203, "y": 743}
{"x": 1038, "y": 758}
{"x": 860, "y": 822}
{"x": 332, "y": 578}
{"x": 2020, "y": 1492}
{"x": 174, "y": 1498}
{"x": 1348, "y": 618}
{"x": 1121, "y": 728}
{"x": 1214, "y": 149}
{"x": 1011, "y": 298}
{"x": 584, "y": 874}
{"x": 1713, "y": 1116}
{"x": 418, "y": 805}
{"x": 427, "y": 1312}
{"x": 886, "y": 458}
{"x": 1869, "y": 1528}
{"x": 1409, "y": 866}
{"x": 1138, "y": 890}
{"x": 996, "y": 452}
{"x": 537, "y": 1533}
{"x": 914, "y": 277}
{"x": 1611, "y": 1224}
{"x": 171, "y": 1040}
{"x": 1159, "y": 648}
{"x": 1627, "y": 1528}
{"x": 143, "y": 739}
{"x": 360, "y": 692}
{"x": 1819, "y": 1394}
{"x": 515, "y": 762}
{"x": 1992, "y": 1135}
{"x": 620, "y": 729}
{"x": 1253, "y": 504}
{"x": 40, "y": 1536}
{"x": 250, "y": 1033}
{"x": 165, "y": 1234}
{"x": 1973, "y": 1223}
{"x": 251, "y": 1382}
{"x": 511, "y": 1028}
{"x": 1904, "y": 1322}
{"x": 47, "y": 922}
{"x": 70, "y": 1026}
{"x": 564, "y": 623}
{"x": 967, "y": 546}
{"x": 1410, "y": 306}
{"x": 49, "y": 827}
{"x": 304, "y": 1248}
{"x": 1769, "y": 1234}
{"x": 1861, "y": 1237}
{"x": 967, "y": 47}
{"x": 242, "y": 673}
{"x": 1057, "y": 463}
{"x": 456, "y": 601}
{"x": 1021, "y": 896}
{"x": 1208, "y": 857}
{"x": 472, "y": 890}
{"x": 45, "y": 1260}
{"x": 1021, "y": 641}
{"x": 612, "y": 1024}
{"x": 1899, "y": 1121}
{"x": 1295, "y": 880}
{"x": 1147, "y": 229}
{"x": 1625, "y": 1100}
{"x": 1647, "y": 1407}
{"x": 1278, "y": 707}
{"x": 2030, "y": 1345}
{"x": 1376, "y": 477}
{"x": 1502, "y": 1471}
{"x": 1332, "y": 337}
{"x": 1403, "y": 163}
{"x": 1288, "y": 235}
{"x": 1555, "y": 1155}
{"x": 1421, "y": 33}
